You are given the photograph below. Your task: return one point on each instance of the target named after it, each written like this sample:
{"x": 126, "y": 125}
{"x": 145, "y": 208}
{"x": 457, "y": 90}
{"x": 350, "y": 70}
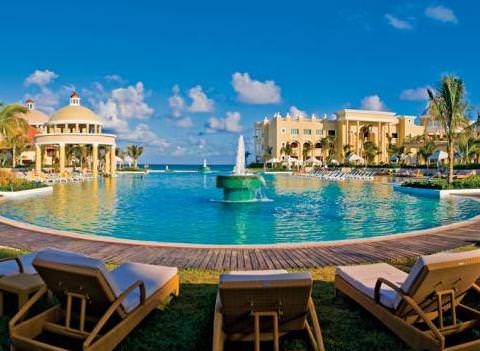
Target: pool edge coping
{"x": 329, "y": 243}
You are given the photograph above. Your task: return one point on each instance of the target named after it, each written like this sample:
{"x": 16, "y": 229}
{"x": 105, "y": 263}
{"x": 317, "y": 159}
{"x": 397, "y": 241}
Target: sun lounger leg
{"x": 218, "y": 335}
{"x": 316, "y": 325}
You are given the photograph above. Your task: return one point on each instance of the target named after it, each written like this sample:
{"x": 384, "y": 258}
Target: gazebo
{"x": 75, "y": 126}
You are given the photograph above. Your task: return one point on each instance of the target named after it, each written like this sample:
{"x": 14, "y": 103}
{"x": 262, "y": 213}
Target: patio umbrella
{"x": 438, "y": 156}
{"x": 334, "y": 162}
{"x": 354, "y": 158}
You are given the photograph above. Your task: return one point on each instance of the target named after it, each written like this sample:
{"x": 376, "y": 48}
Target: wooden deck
{"x": 306, "y": 256}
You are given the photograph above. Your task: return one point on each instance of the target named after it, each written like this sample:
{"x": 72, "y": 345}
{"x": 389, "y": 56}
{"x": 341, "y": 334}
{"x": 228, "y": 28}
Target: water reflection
{"x": 177, "y": 207}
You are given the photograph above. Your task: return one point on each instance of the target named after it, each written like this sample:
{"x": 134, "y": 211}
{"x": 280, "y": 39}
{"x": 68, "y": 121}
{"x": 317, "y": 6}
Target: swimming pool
{"x": 178, "y": 207}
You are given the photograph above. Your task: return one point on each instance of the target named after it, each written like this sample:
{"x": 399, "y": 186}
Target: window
{"x": 284, "y": 130}
{"x": 283, "y": 144}
{"x": 331, "y": 132}
{"x": 294, "y": 131}
{"x": 318, "y": 132}
{"x": 307, "y": 131}
{"x": 394, "y": 135}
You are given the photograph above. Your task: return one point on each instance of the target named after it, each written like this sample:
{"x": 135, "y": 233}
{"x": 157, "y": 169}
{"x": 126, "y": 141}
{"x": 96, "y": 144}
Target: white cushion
{"x": 364, "y": 278}
{"x": 264, "y": 272}
{"x": 264, "y": 276}
{"x": 121, "y": 278}
{"x": 154, "y": 278}
{"x": 10, "y": 267}
{"x": 442, "y": 257}
{"x": 78, "y": 260}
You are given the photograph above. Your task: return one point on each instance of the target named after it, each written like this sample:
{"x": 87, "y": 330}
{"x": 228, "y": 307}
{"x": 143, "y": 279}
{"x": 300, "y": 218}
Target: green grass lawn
{"x": 186, "y": 324}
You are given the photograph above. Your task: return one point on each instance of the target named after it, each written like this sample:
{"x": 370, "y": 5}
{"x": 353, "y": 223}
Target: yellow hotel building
{"x": 350, "y": 127}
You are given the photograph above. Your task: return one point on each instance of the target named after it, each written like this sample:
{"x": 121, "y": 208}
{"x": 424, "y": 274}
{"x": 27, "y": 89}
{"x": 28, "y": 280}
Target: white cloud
{"x": 398, "y": 23}
{"x": 41, "y": 78}
{"x": 144, "y": 135}
{"x": 416, "y": 94}
{"x": 200, "y": 101}
{"x": 295, "y": 112}
{"x": 373, "y": 103}
{"x": 123, "y": 104}
{"x": 441, "y": 13}
{"x": 45, "y": 100}
{"x": 253, "y": 91}
{"x": 185, "y": 122}
{"x": 230, "y": 124}
{"x": 176, "y": 102}
{"x": 113, "y": 78}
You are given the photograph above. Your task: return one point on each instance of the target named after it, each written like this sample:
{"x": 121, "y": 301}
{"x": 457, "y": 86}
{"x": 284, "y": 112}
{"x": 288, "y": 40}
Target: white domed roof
{"x": 75, "y": 114}
{"x": 35, "y": 117}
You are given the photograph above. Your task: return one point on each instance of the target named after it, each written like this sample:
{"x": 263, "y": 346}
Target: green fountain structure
{"x": 240, "y": 186}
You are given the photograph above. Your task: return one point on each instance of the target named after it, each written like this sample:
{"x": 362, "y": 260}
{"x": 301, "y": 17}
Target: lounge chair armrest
{"x": 378, "y": 285}
{"x": 476, "y": 287}
{"x": 113, "y": 307}
{"x": 17, "y": 259}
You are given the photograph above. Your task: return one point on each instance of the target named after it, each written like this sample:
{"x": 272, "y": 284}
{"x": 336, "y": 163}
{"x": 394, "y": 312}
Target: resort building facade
{"x": 71, "y": 137}
{"x": 313, "y": 138}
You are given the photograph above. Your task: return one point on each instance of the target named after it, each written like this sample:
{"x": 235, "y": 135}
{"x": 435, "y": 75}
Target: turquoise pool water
{"x": 178, "y": 207}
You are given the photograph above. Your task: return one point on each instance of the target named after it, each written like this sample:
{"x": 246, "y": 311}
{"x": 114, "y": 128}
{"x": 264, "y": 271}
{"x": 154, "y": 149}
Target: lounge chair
{"x": 16, "y": 265}
{"x": 263, "y": 305}
{"x": 96, "y": 308}
{"x": 424, "y": 307}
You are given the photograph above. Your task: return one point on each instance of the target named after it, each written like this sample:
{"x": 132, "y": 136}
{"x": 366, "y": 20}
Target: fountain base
{"x": 239, "y": 188}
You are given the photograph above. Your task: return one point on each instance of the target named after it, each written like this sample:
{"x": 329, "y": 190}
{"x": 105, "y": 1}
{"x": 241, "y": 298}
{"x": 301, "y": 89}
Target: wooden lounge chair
{"x": 424, "y": 307}
{"x": 263, "y": 305}
{"x": 16, "y": 265}
{"x": 96, "y": 308}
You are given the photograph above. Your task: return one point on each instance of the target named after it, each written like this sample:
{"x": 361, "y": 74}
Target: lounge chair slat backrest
{"x": 439, "y": 272}
{"x": 243, "y": 294}
{"x": 63, "y": 272}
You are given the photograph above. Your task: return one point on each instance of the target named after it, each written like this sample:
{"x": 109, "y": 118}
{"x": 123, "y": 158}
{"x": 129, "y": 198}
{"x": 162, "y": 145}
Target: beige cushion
{"x": 364, "y": 278}
{"x": 154, "y": 277}
{"x": 10, "y": 267}
{"x": 263, "y": 276}
{"x": 442, "y": 257}
{"x": 121, "y": 278}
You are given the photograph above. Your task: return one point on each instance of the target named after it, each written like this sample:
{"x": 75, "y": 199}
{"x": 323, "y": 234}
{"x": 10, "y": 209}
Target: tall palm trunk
{"x": 14, "y": 156}
{"x": 450, "y": 159}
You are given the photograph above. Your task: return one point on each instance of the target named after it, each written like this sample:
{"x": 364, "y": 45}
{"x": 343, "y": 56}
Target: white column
{"x": 38, "y": 159}
{"x": 62, "y": 157}
{"x": 95, "y": 159}
{"x": 107, "y": 160}
{"x": 113, "y": 160}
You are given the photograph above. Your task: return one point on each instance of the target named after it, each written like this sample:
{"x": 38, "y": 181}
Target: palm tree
{"x": 267, "y": 155}
{"x": 135, "y": 151}
{"x": 347, "y": 151}
{"x": 448, "y": 106}
{"x": 286, "y": 149}
{"x": 122, "y": 154}
{"x": 18, "y": 143}
{"x": 307, "y": 148}
{"x": 13, "y": 128}
{"x": 468, "y": 146}
{"x": 427, "y": 150}
{"x": 370, "y": 149}
{"x": 328, "y": 144}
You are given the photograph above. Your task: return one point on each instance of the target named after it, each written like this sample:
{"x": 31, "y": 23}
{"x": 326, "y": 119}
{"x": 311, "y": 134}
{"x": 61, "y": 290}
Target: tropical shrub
{"x": 10, "y": 182}
{"x": 472, "y": 182}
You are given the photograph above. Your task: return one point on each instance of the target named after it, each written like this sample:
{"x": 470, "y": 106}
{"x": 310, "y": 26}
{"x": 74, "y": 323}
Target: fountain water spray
{"x": 240, "y": 186}
{"x": 240, "y": 160}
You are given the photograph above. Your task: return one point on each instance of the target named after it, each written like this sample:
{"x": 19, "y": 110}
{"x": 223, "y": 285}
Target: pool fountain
{"x": 240, "y": 186}
{"x": 204, "y": 168}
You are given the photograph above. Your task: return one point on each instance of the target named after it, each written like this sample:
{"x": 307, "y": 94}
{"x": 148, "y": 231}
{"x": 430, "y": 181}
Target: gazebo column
{"x": 95, "y": 159}
{"x": 38, "y": 159}
{"x": 358, "y": 137}
{"x": 113, "y": 160}
{"x": 62, "y": 158}
{"x": 107, "y": 160}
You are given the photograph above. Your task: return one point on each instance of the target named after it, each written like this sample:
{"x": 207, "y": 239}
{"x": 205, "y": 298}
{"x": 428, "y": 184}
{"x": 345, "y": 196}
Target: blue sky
{"x": 186, "y": 77}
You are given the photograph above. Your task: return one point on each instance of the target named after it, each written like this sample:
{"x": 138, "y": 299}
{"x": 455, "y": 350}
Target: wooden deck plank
{"x": 245, "y": 258}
